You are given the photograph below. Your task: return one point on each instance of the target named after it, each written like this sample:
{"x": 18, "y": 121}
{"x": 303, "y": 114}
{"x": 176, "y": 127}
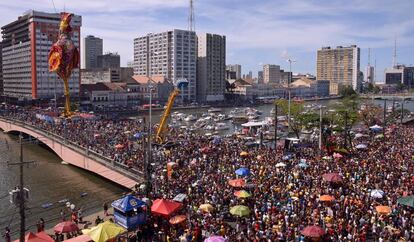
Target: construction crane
{"x": 162, "y": 128}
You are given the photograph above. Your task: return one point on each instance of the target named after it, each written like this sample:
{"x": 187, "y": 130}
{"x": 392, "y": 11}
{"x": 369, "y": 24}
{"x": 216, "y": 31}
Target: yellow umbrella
{"x": 208, "y": 208}
{"x": 240, "y": 211}
{"x": 104, "y": 231}
{"x": 242, "y": 194}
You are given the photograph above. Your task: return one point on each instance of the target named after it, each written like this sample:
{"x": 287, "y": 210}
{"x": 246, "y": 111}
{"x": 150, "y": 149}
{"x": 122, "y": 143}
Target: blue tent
{"x": 243, "y": 171}
{"x": 128, "y": 212}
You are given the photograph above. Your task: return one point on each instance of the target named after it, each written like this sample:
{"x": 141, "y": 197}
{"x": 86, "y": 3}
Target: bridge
{"x": 76, "y": 155}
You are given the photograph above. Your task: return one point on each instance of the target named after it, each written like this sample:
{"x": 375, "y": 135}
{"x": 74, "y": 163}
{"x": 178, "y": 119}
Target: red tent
{"x": 31, "y": 237}
{"x": 65, "y": 227}
{"x": 164, "y": 207}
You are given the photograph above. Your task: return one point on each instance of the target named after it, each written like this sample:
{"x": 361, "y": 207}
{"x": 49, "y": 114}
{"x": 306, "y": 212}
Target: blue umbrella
{"x": 303, "y": 165}
{"x": 138, "y": 135}
{"x": 243, "y": 171}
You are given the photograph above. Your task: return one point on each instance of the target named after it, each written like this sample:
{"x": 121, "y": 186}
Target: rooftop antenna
{"x": 53, "y": 2}
{"x": 394, "y": 58}
{"x": 375, "y": 70}
{"x": 191, "y": 20}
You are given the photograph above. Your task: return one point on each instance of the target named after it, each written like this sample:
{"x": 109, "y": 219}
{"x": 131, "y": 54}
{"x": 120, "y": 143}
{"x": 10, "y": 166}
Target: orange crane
{"x": 162, "y": 128}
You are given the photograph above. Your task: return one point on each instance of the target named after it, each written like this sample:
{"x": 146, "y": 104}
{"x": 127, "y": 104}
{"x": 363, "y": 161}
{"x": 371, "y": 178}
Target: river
{"x": 50, "y": 181}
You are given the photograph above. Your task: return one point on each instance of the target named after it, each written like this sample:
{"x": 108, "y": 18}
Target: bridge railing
{"x": 106, "y": 161}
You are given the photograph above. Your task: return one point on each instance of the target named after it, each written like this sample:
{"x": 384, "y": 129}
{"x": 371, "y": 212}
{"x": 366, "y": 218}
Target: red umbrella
{"x": 332, "y": 177}
{"x": 65, "y": 227}
{"x": 313, "y": 231}
{"x": 237, "y": 183}
{"x": 31, "y": 237}
{"x": 165, "y": 207}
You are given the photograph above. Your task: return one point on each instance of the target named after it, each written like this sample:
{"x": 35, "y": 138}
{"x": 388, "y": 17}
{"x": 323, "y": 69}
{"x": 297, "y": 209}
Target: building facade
{"x": 340, "y": 66}
{"x": 109, "y": 60}
{"x": 369, "y": 74}
{"x": 172, "y": 54}
{"x": 400, "y": 74}
{"x": 95, "y": 75}
{"x": 211, "y": 68}
{"x": 260, "y": 77}
{"x": 26, "y": 45}
{"x": 271, "y": 74}
{"x": 92, "y": 48}
{"x": 235, "y": 68}
{"x": 1, "y": 69}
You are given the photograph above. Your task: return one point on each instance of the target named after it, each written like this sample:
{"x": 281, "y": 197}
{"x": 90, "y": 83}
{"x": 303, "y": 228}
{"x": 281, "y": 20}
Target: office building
{"x": 400, "y": 74}
{"x": 369, "y": 74}
{"x": 93, "y": 47}
{"x": 235, "y": 68}
{"x": 285, "y": 77}
{"x": 260, "y": 77}
{"x": 271, "y": 74}
{"x": 95, "y": 75}
{"x": 339, "y": 66}
{"x": 172, "y": 54}
{"x": 26, "y": 45}
{"x": 109, "y": 60}
{"x": 211, "y": 68}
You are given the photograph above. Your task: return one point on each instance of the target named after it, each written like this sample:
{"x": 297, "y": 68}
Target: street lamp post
{"x": 320, "y": 129}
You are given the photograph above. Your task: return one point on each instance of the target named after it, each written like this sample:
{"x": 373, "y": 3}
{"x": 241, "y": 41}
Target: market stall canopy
{"x": 104, "y": 231}
{"x": 165, "y": 207}
{"x": 127, "y": 203}
{"x": 31, "y": 237}
{"x": 80, "y": 238}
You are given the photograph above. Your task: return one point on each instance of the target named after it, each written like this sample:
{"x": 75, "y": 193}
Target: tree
{"x": 370, "y": 114}
{"x": 296, "y": 110}
{"x": 400, "y": 86}
{"x": 348, "y": 91}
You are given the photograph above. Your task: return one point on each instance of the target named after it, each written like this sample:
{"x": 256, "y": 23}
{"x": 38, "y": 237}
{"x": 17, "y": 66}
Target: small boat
{"x": 64, "y": 163}
{"x": 214, "y": 110}
{"x": 222, "y": 126}
{"x": 190, "y": 118}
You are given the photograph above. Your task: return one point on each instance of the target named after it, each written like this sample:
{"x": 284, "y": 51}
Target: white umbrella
{"x": 376, "y": 127}
{"x": 377, "y": 193}
{"x": 280, "y": 164}
{"x": 359, "y": 135}
{"x": 361, "y": 146}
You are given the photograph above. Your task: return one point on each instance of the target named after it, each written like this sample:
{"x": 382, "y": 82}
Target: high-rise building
{"x": 235, "y": 68}
{"x": 400, "y": 74}
{"x": 172, "y": 54}
{"x": 109, "y": 60}
{"x": 211, "y": 67}
{"x": 93, "y": 47}
{"x": 369, "y": 74}
{"x": 26, "y": 45}
{"x": 340, "y": 66}
{"x": 1, "y": 69}
{"x": 260, "y": 77}
{"x": 271, "y": 74}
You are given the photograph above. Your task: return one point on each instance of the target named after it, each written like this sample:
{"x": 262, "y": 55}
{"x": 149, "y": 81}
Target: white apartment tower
{"x": 271, "y": 74}
{"x": 211, "y": 67}
{"x": 172, "y": 54}
{"x": 26, "y": 45}
{"x": 339, "y": 66}
{"x": 93, "y": 47}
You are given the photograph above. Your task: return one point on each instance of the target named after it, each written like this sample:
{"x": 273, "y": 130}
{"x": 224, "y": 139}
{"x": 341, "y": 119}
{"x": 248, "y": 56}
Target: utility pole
{"x": 320, "y": 129}
{"x": 21, "y": 197}
{"x": 346, "y": 129}
{"x": 385, "y": 115}
{"x": 275, "y": 125}
{"x": 402, "y": 112}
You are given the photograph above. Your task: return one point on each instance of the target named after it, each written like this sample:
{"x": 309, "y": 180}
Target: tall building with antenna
{"x": 26, "y": 45}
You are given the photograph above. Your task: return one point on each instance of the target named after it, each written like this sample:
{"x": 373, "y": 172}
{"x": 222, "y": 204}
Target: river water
{"x": 49, "y": 181}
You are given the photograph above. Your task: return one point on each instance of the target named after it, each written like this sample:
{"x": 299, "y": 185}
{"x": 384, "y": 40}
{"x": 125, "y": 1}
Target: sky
{"x": 257, "y": 31}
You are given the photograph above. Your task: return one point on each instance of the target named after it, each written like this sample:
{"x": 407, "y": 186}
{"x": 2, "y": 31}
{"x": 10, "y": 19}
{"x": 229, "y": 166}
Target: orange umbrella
{"x": 178, "y": 219}
{"x": 383, "y": 210}
{"x": 237, "y": 183}
{"x": 326, "y": 198}
{"x": 244, "y": 153}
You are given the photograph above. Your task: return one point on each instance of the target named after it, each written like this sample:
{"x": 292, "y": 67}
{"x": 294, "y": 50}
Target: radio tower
{"x": 191, "y": 20}
{"x": 394, "y": 58}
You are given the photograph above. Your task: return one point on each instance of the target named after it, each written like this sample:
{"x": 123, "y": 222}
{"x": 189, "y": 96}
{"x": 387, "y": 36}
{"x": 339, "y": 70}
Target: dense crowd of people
{"x": 285, "y": 196}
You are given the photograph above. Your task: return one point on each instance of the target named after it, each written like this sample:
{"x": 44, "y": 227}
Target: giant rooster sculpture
{"x": 64, "y": 57}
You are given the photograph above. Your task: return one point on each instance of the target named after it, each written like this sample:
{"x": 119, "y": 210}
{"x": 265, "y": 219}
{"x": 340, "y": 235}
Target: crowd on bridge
{"x": 349, "y": 196}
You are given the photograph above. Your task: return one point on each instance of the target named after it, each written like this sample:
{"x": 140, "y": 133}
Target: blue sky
{"x": 257, "y": 31}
